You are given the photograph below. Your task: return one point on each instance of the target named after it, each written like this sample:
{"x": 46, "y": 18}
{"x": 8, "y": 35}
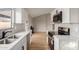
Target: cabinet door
{"x": 20, "y": 45}
{"x": 74, "y": 15}
{"x": 65, "y": 15}
{"x": 18, "y": 15}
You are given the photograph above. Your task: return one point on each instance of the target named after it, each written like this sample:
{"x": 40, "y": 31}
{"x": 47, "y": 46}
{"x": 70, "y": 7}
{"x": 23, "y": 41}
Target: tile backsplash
{"x": 19, "y": 27}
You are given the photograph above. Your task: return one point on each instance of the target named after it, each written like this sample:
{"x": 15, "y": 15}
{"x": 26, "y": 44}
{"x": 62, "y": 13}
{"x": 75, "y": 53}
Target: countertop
{"x": 66, "y": 37}
{"x": 9, "y": 46}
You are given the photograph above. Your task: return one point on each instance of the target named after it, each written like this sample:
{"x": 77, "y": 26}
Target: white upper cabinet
{"x": 74, "y": 15}
{"x": 65, "y": 15}
{"x": 18, "y": 15}
{"x": 69, "y": 15}
{"x": 21, "y": 16}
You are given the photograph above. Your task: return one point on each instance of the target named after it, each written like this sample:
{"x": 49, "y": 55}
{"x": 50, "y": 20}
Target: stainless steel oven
{"x": 63, "y": 31}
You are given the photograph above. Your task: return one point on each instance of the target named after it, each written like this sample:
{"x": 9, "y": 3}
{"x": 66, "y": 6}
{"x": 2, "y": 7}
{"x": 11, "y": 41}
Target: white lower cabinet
{"x": 68, "y": 44}
{"x": 21, "y": 45}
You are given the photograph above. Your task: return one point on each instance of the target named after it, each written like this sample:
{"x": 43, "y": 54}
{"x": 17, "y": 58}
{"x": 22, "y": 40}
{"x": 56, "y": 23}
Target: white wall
{"x": 39, "y": 24}
{"x": 42, "y": 23}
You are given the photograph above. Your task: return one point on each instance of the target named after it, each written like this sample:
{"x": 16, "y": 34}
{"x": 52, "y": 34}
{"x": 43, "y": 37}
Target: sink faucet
{"x": 4, "y": 33}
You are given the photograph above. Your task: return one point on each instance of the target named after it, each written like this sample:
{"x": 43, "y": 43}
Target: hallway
{"x": 39, "y": 41}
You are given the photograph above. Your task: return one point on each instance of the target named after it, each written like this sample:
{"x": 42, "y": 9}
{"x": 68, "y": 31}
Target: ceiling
{"x": 34, "y": 12}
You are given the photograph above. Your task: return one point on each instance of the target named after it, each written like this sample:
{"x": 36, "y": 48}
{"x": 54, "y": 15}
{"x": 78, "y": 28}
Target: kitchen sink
{"x": 9, "y": 40}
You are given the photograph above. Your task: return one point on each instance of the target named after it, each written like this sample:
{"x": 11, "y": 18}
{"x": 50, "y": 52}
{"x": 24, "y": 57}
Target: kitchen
{"x": 61, "y": 26}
